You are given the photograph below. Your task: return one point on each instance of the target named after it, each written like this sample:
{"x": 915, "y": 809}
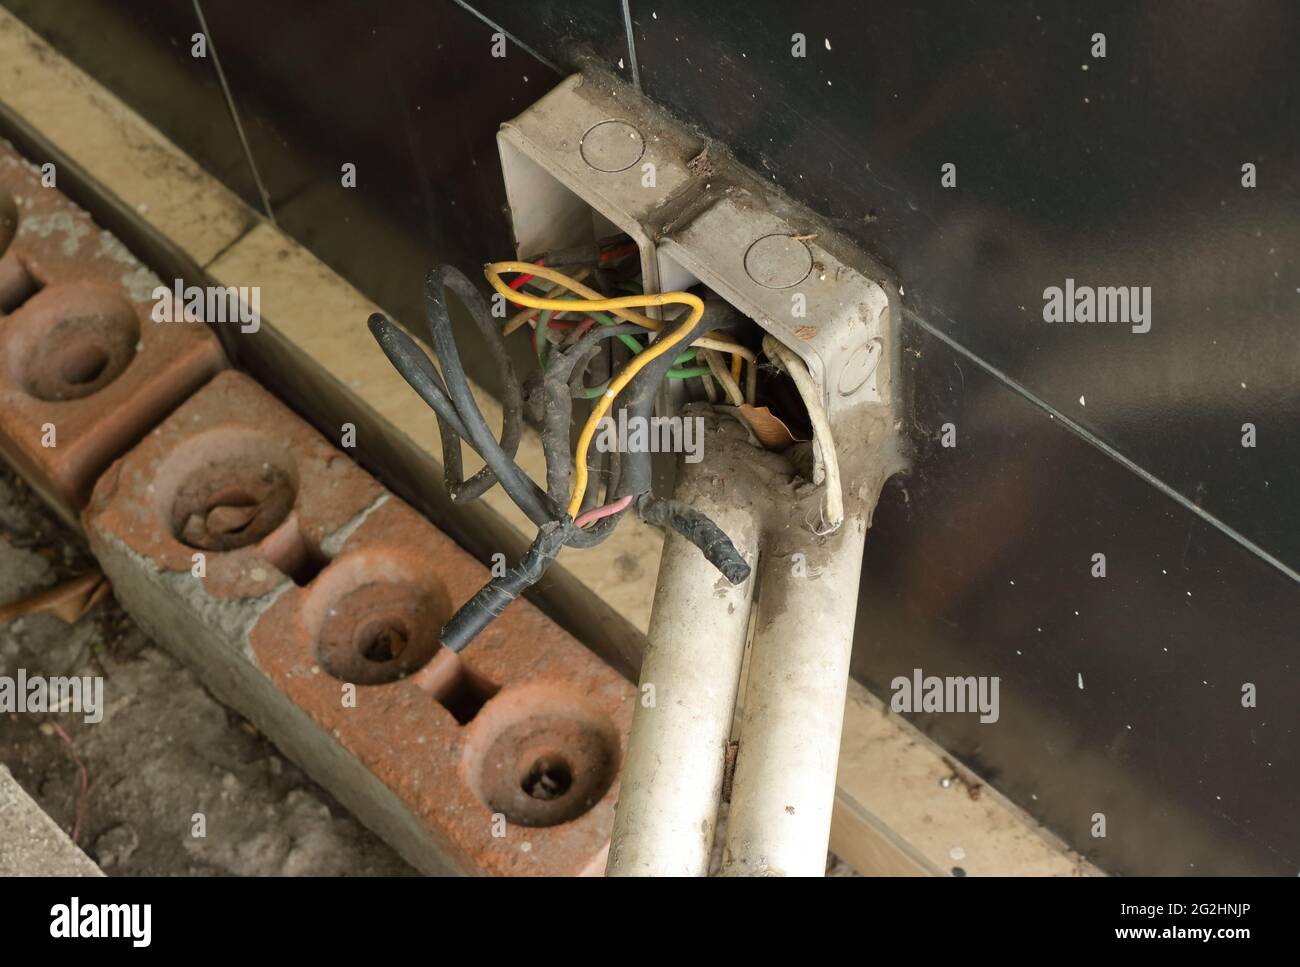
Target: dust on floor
{"x": 167, "y": 761}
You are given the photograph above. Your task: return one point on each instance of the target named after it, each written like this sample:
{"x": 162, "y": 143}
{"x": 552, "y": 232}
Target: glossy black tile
{"x": 142, "y": 51}
{"x": 1119, "y": 694}
{"x": 1116, "y": 171}
{"x": 411, "y": 95}
{"x": 565, "y": 31}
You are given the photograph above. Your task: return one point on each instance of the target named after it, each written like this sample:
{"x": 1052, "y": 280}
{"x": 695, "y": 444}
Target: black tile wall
{"x": 142, "y": 52}
{"x": 1117, "y": 171}
{"x": 1119, "y": 696}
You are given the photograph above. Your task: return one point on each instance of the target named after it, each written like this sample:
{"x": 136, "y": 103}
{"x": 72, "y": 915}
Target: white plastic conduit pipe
{"x": 672, "y": 778}
{"x": 783, "y": 789}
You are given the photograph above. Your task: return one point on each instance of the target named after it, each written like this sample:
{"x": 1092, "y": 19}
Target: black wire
{"x": 493, "y": 598}
{"x": 521, "y": 488}
{"x": 414, "y": 366}
{"x": 511, "y": 396}
{"x": 448, "y": 394}
{"x": 561, "y": 368}
{"x": 700, "y": 530}
{"x": 639, "y": 399}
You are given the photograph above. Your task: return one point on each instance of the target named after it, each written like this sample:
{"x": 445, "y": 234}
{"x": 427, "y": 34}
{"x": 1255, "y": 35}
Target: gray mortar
{"x": 73, "y": 227}
{"x": 138, "y": 281}
{"x": 165, "y": 748}
{"x": 333, "y": 544}
{"x": 211, "y": 637}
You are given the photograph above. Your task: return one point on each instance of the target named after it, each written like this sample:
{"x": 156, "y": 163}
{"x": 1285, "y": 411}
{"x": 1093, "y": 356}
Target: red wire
{"x": 618, "y": 252}
{"x": 525, "y": 279}
{"x": 608, "y": 255}
{"x": 598, "y": 513}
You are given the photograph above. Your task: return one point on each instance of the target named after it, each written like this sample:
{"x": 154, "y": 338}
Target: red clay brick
{"x": 502, "y": 761}
{"x": 78, "y": 347}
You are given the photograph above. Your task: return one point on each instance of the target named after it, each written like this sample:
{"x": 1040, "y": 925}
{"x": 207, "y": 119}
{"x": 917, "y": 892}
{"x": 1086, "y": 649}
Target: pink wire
{"x": 598, "y": 513}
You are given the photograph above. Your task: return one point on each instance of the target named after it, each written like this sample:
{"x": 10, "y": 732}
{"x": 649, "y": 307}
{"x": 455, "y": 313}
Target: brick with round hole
{"x": 317, "y": 615}
{"x": 84, "y": 369}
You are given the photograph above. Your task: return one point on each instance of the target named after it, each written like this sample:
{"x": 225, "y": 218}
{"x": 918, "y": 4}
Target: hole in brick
{"x": 549, "y": 777}
{"x": 380, "y": 632}
{"x": 305, "y": 572}
{"x": 540, "y": 757}
{"x": 77, "y": 342}
{"x": 17, "y": 286}
{"x": 383, "y": 640}
{"x": 295, "y": 558}
{"x": 84, "y": 364}
{"x": 459, "y": 688}
{"x": 226, "y": 504}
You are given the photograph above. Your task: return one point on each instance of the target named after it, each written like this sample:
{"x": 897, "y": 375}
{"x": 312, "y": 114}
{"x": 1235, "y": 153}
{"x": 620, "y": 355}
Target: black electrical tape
{"x": 493, "y": 598}
{"x": 697, "y": 528}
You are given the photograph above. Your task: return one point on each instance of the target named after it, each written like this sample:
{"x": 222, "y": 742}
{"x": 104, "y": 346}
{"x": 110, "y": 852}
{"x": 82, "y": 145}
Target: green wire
{"x": 606, "y": 320}
{"x": 591, "y": 394}
{"x": 627, "y": 340}
{"x": 688, "y": 373}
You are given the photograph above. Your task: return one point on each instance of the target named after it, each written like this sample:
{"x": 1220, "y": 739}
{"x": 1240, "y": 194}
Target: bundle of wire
{"x": 565, "y": 512}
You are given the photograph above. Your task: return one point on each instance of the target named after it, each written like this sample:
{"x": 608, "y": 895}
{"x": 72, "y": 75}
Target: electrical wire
{"x": 576, "y": 523}
{"x": 833, "y": 504}
{"x": 726, "y": 379}
{"x": 591, "y": 516}
{"x": 656, "y": 349}
{"x": 521, "y": 318}
{"x": 622, "y": 310}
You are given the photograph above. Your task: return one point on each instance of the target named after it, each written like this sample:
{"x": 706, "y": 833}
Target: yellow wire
{"x": 570, "y": 282}
{"x": 523, "y": 315}
{"x": 597, "y": 303}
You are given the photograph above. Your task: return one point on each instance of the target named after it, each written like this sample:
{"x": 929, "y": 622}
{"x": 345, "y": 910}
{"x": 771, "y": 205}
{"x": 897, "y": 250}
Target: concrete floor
{"x": 165, "y": 751}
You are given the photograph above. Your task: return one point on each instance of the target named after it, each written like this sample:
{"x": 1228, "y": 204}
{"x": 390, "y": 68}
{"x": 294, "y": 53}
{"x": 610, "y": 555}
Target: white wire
{"x": 833, "y": 505}
{"x": 719, "y": 369}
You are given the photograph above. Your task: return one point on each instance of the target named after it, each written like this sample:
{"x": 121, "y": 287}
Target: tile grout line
{"x": 631, "y": 44}
{"x": 505, "y": 33}
{"x": 1091, "y": 438}
{"x": 234, "y": 114}
{"x": 221, "y": 253}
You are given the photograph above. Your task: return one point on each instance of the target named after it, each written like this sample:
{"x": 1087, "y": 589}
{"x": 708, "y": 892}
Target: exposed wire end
{"x": 495, "y": 596}
{"x": 700, "y": 530}
{"x": 608, "y": 510}
{"x": 833, "y": 503}
{"x": 445, "y": 388}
